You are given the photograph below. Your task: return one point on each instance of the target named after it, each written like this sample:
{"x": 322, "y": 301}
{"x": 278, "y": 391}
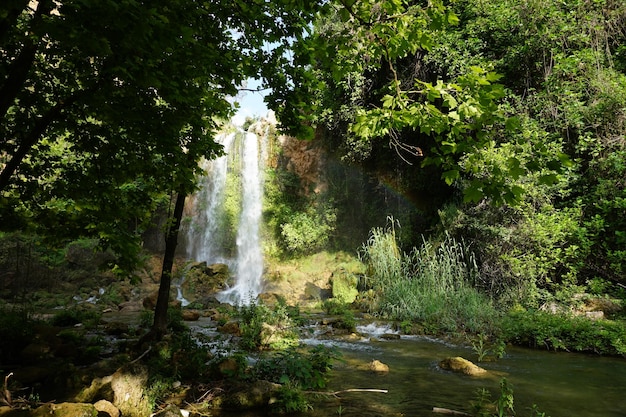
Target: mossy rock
{"x": 256, "y": 395}
{"x": 202, "y": 280}
{"x": 53, "y": 410}
{"x": 344, "y": 286}
{"x": 463, "y": 366}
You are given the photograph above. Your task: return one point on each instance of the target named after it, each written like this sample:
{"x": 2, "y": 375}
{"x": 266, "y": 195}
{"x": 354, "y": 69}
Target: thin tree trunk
{"x": 159, "y": 327}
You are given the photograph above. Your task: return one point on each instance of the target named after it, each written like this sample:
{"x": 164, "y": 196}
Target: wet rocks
{"x": 462, "y": 366}
{"x": 190, "y": 315}
{"x": 106, "y": 409}
{"x": 202, "y": 280}
{"x": 378, "y": 367}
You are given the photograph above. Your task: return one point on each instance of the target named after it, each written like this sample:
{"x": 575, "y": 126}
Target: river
{"x": 560, "y": 384}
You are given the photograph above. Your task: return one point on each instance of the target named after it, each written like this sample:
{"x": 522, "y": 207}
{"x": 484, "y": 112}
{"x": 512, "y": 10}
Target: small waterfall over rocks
{"x": 211, "y": 232}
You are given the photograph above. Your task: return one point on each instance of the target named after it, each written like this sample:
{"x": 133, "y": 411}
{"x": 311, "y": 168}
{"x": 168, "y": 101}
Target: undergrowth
{"x": 432, "y": 285}
{"x": 540, "y": 329}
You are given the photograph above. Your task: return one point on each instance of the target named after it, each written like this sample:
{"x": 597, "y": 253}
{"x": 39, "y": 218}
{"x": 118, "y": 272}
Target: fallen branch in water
{"x": 336, "y": 393}
{"x": 450, "y": 412}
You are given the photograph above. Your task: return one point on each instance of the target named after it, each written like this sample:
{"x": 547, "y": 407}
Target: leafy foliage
{"x": 263, "y": 327}
{"x": 306, "y": 369}
{"x": 103, "y": 116}
{"x": 564, "y": 332}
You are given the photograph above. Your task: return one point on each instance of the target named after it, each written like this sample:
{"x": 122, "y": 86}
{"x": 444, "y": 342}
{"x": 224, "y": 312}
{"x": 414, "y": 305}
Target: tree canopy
{"x": 107, "y": 106}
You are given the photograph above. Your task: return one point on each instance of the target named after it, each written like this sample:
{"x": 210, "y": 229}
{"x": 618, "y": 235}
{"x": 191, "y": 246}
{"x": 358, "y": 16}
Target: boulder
{"x": 202, "y": 281}
{"x": 116, "y": 328}
{"x": 259, "y": 394}
{"x": 149, "y": 302}
{"x": 462, "y": 366}
{"x": 378, "y": 367}
{"x": 128, "y": 384}
{"x": 191, "y": 315}
{"x": 231, "y": 327}
{"x": 315, "y": 293}
{"x": 65, "y": 410}
{"x": 228, "y": 367}
{"x": 390, "y": 336}
{"x": 106, "y": 409}
{"x": 129, "y": 307}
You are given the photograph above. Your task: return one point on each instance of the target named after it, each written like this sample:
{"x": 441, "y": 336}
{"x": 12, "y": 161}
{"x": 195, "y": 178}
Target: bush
{"x": 262, "y": 327}
{"x": 432, "y": 285}
{"x": 338, "y": 308}
{"x": 541, "y": 329}
{"x": 72, "y": 316}
{"x": 16, "y": 331}
{"x": 305, "y": 369}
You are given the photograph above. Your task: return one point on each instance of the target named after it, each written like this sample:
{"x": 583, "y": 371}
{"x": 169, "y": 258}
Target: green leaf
{"x": 453, "y": 19}
{"x": 473, "y": 193}
{"x": 450, "y": 176}
{"x": 548, "y": 179}
{"x": 512, "y": 124}
{"x": 515, "y": 168}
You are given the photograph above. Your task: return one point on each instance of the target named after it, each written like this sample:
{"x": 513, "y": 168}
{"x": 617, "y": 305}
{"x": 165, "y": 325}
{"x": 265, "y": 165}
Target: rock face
{"x": 305, "y": 160}
{"x": 462, "y": 366}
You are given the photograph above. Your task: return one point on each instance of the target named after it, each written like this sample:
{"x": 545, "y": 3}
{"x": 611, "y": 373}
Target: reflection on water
{"x": 561, "y": 384}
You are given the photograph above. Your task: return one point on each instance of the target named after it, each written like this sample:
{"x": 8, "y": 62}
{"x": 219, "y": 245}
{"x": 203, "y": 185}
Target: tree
{"x": 387, "y": 90}
{"x": 107, "y": 106}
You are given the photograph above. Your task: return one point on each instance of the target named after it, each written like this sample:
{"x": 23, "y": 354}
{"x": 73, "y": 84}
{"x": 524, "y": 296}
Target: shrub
{"x": 73, "y": 316}
{"x": 306, "y": 369}
{"x": 338, "y": 308}
{"x": 564, "y": 332}
{"x": 431, "y": 285}
{"x": 262, "y": 327}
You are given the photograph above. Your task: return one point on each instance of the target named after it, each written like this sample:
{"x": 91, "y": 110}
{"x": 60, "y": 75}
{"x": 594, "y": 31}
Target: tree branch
{"x": 336, "y": 393}
{"x": 31, "y": 138}
{"x": 21, "y": 66}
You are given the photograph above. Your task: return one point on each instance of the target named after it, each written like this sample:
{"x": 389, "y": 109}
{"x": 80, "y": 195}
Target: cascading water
{"x": 249, "y": 265}
{"x": 204, "y": 234}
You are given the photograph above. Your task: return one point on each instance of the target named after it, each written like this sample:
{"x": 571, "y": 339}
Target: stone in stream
{"x": 378, "y": 367}
{"x": 462, "y": 366}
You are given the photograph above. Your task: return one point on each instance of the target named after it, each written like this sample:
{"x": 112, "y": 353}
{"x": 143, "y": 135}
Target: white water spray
{"x": 205, "y": 234}
{"x": 249, "y": 265}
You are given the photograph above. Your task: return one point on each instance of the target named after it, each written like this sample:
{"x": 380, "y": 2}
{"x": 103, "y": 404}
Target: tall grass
{"x": 432, "y": 285}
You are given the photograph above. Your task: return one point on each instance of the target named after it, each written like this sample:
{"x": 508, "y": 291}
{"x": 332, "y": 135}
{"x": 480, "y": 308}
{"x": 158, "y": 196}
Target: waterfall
{"x": 206, "y": 234}
{"x": 249, "y": 265}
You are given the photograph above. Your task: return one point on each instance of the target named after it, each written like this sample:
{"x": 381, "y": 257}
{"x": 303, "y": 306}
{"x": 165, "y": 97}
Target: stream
{"x": 560, "y": 384}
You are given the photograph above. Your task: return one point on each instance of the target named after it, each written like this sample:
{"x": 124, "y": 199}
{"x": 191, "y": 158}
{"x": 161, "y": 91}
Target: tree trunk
{"x": 159, "y": 327}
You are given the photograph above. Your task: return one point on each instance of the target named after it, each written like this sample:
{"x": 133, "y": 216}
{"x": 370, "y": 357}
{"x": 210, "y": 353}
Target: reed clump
{"x": 432, "y": 285}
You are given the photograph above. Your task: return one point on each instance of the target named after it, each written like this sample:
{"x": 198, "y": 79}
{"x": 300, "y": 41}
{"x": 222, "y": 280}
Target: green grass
{"x": 431, "y": 285}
